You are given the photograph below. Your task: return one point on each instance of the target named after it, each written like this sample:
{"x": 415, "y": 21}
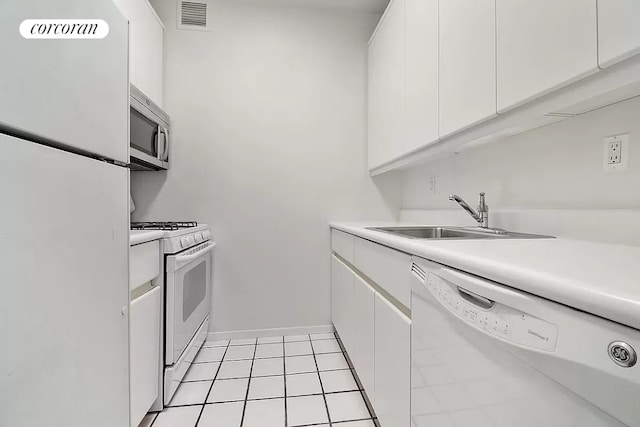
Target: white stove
{"x": 188, "y": 268}
{"x": 178, "y": 236}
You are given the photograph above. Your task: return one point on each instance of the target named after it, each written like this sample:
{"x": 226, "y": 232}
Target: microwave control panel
{"x": 499, "y": 320}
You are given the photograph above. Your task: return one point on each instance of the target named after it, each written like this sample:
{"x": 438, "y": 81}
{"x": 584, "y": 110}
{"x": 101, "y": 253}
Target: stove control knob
{"x": 184, "y": 242}
{"x": 198, "y": 237}
{"x": 206, "y": 235}
{"x": 190, "y": 240}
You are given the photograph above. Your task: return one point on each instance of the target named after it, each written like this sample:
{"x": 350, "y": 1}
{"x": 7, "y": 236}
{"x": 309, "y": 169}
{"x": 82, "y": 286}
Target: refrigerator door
{"x": 66, "y": 90}
{"x": 64, "y": 277}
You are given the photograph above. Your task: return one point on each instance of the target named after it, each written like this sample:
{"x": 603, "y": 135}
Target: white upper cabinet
{"x": 146, "y": 38}
{"x": 386, "y": 120}
{"x": 618, "y": 30}
{"x": 542, "y": 46}
{"x": 467, "y": 63}
{"x": 421, "y": 74}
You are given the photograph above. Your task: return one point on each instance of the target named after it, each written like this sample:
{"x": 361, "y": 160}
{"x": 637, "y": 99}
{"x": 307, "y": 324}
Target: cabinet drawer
{"x": 144, "y": 263}
{"x": 387, "y": 267}
{"x": 342, "y": 243}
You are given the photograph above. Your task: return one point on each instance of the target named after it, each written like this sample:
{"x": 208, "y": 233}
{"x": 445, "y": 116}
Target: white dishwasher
{"x": 484, "y": 354}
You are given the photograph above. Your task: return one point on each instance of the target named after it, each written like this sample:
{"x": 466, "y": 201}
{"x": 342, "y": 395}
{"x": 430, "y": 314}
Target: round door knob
{"x": 184, "y": 242}
{"x": 206, "y": 235}
{"x": 198, "y": 237}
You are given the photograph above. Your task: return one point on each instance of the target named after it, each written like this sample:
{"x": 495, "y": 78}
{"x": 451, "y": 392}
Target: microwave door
{"x": 145, "y": 140}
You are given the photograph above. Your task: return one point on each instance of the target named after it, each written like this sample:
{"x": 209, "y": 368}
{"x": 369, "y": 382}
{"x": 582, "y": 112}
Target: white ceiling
{"x": 376, "y": 6}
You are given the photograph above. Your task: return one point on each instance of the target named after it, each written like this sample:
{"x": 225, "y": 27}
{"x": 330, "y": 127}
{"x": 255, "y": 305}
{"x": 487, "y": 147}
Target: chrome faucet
{"x": 482, "y": 216}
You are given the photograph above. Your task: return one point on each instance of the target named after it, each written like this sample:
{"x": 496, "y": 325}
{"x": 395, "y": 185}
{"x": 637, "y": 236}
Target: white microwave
{"x": 148, "y": 133}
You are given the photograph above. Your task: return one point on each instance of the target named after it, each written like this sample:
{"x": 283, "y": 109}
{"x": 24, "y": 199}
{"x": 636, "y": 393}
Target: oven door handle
{"x": 182, "y": 260}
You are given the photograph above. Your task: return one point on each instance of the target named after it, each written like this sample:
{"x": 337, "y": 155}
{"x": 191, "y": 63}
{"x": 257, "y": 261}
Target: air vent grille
{"x": 418, "y": 271}
{"x": 192, "y": 15}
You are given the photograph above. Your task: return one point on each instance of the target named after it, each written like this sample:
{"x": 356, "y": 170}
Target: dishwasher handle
{"x": 475, "y": 299}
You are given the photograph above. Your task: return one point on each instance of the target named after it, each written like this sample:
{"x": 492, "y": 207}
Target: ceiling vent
{"x": 193, "y": 15}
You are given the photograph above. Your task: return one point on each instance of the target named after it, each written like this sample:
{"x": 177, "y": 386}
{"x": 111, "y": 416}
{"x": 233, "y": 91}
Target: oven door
{"x": 188, "y": 297}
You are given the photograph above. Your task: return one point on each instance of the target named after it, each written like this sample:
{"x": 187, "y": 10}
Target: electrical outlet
{"x": 615, "y": 155}
{"x": 432, "y": 185}
{"x": 616, "y": 152}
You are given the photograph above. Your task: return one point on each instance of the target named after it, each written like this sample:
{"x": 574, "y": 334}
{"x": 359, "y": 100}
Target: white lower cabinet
{"x": 377, "y": 337}
{"x": 392, "y": 365}
{"x": 341, "y": 296}
{"x": 144, "y": 352}
{"x": 362, "y": 354}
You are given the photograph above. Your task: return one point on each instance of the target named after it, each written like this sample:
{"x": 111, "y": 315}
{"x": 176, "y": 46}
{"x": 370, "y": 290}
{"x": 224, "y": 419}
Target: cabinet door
{"x": 543, "y": 45}
{"x": 467, "y": 63}
{"x": 421, "y": 62}
{"x": 618, "y": 30}
{"x": 144, "y": 352}
{"x": 341, "y": 298}
{"x": 362, "y": 354}
{"x": 392, "y": 365}
{"x": 148, "y": 54}
{"x": 386, "y": 87}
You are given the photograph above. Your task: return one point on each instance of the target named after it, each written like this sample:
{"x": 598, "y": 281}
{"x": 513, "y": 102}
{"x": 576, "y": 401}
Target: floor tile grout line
{"x": 284, "y": 376}
{"x": 195, "y": 404}
{"x": 367, "y": 401}
{"x": 211, "y": 387}
{"x": 268, "y": 398}
{"x": 246, "y": 398}
{"x": 324, "y": 397}
{"x": 284, "y": 357}
{"x": 273, "y": 375}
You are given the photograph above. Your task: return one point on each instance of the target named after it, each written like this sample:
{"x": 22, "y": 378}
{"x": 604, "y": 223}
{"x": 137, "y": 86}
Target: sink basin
{"x": 451, "y": 233}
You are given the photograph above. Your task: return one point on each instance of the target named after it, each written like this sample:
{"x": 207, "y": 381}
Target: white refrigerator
{"x": 64, "y": 220}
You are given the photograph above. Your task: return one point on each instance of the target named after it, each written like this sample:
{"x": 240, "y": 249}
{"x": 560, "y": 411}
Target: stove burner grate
{"x": 163, "y": 225}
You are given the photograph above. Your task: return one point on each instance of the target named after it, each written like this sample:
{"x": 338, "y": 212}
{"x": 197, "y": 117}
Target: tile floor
{"x": 290, "y": 381}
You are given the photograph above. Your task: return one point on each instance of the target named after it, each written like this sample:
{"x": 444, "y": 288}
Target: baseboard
{"x": 275, "y": 332}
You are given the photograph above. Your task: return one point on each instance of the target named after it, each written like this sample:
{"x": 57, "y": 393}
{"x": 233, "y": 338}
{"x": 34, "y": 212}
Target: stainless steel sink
{"x": 452, "y": 233}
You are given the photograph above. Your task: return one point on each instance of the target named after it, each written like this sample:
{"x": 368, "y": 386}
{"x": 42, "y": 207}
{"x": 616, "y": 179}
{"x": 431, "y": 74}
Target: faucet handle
{"x": 482, "y": 206}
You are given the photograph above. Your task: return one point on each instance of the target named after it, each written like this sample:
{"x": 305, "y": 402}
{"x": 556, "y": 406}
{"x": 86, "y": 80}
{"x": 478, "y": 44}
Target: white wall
{"x": 559, "y": 166}
{"x": 268, "y": 115}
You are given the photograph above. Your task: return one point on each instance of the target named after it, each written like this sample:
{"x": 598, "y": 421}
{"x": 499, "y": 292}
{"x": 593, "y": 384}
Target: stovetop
{"x": 178, "y": 235}
{"x": 163, "y": 225}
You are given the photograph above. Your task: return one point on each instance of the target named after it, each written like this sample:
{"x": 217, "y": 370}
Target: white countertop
{"x": 598, "y": 278}
{"x": 142, "y": 236}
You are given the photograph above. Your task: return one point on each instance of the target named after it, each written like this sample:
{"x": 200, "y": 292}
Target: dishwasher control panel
{"x": 494, "y": 318}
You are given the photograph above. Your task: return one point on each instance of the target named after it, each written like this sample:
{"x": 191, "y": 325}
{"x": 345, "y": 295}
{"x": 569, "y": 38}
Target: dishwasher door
{"x": 483, "y": 354}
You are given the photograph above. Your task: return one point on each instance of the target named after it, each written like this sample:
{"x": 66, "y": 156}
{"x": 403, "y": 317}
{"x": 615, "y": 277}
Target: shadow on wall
{"x": 389, "y": 186}
{"x": 144, "y": 200}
